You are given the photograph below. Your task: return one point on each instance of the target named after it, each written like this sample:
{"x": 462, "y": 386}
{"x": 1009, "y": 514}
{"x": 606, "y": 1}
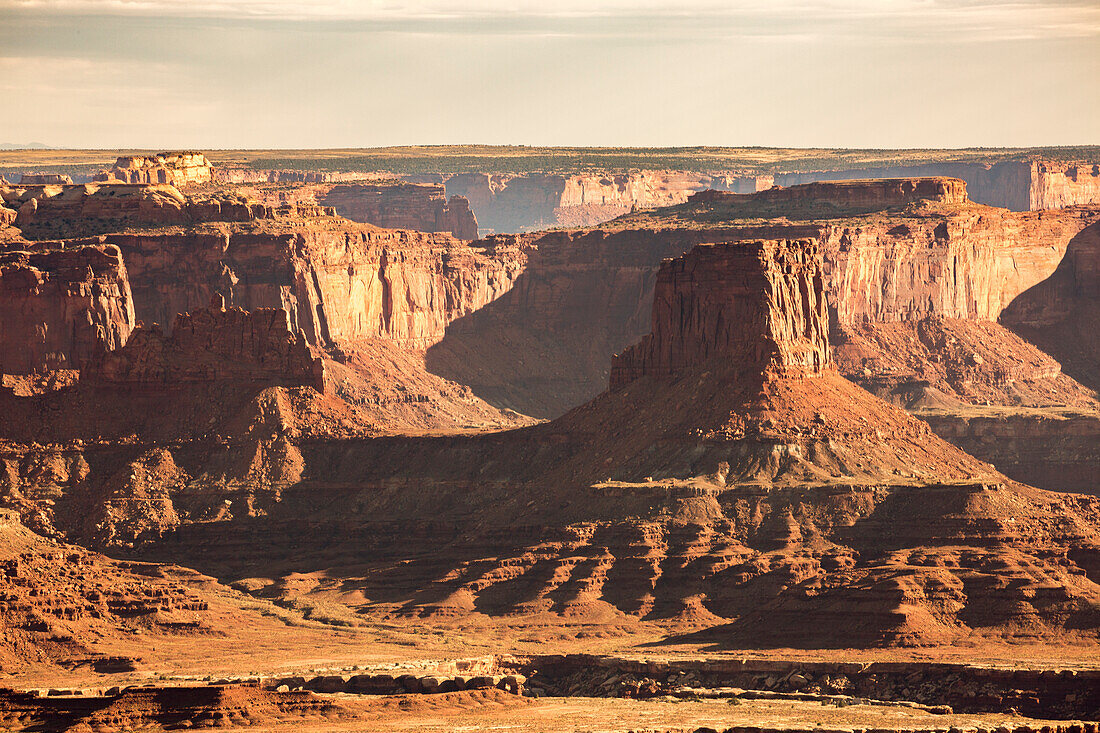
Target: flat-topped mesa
{"x": 760, "y": 305}
{"x": 57, "y": 306}
{"x": 863, "y": 195}
{"x": 423, "y": 207}
{"x": 54, "y": 212}
{"x": 213, "y": 344}
{"x": 176, "y": 168}
{"x": 44, "y": 179}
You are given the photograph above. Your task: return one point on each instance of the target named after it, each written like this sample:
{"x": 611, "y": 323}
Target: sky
{"x": 211, "y": 74}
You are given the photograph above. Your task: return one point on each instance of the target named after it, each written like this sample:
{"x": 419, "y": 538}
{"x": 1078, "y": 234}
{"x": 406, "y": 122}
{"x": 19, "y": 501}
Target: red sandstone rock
{"x": 175, "y": 169}
{"x": 56, "y": 306}
{"x": 762, "y": 303}
{"x": 580, "y": 292}
{"x": 505, "y": 203}
{"x": 67, "y": 211}
{"x": 404, "y": 206}
{"x": 869, "y": 194}
{"x": 213, "y": 345}
{"x": 341, "y": 282}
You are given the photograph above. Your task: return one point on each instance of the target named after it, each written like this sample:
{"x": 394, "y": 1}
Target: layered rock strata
{"x": 43, "y": 179}
{"x": 539, "y": 349}
{"x": 213, "y": 344}
{"x": 424, "y": 208}
{"x": 46, "y": 212}
{"x": 57, "y": 307}
{"x": 505, "y": 203}
{"x": 340, "y": 282}
{"x": 716, "y": 491}
{"x": 846, "y": 195}
{"x": 174, "y": 169}
{"x": 1026, "y": 185}
{"x": 702, "y": 306}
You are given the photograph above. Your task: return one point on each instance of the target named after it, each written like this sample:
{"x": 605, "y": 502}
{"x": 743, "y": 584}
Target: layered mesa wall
{"x": 893, "y": 252}
{"x": 420, "y": 207}
{"x": 504, "y": 203}
{"x": 212, "y": 344}
{"x": 783, "y": 508}
{"x": 174, "y": 169}
{"x": 45, "y": 212}
{"x": 57, "y": 307}
{"x": 762, "y": 303}
{"x": 340, "y": 282}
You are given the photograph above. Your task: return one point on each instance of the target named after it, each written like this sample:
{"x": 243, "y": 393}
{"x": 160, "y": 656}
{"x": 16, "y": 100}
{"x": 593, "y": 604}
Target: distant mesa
{"x": 177, "y": 168}
{"x": 44, "y": 179}
{"x": 856, "y": 194}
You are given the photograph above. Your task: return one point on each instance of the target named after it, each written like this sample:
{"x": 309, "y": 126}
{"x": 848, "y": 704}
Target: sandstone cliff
{"x": 846, "y": 196}
{"x": 57, "y": 307}
{"x": 212, "y": 344}
{"x": 341, "y": 282}
{"x": 703, "y": 305}
{"x": 424, "y": 208}
{"x": 72, "y": 211}
{"x": 1017, "y": 185}
{"x": 504, "y": 203}
{"x": 541, "y": 348}
{"x": 717, "y": 492}
{"x": 175, "y": 169}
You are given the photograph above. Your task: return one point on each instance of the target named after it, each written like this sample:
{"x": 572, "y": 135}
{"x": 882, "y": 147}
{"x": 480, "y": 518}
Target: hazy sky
{"x": 353, "y": 73}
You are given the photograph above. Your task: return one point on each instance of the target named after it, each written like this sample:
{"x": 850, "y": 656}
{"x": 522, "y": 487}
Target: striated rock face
{"x": 41, "y": 179}
{"x": 57, "y": 307}
{"x": 541, "y": 348}
{"x": 504, "y": 203}
{"x": 339, "y": 281}
{"x": 175, "y": 169}
{"x": 1057, "y": 185}
{"x": 424, "y": 208}
{"x": 213, "y": 345}
{"x": 762, "y": 303}
{"x": 1060, "y": 313}
{"x": 801, "y": 511}
{"x": 249, "y": 175}
{"x": 72, "y": 211}
{"x": 1016, "y": 185}
{"x": 869, "y": 195}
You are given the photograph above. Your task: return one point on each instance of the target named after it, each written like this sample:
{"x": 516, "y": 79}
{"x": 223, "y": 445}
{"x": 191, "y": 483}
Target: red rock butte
{"x": 762, "y": 303}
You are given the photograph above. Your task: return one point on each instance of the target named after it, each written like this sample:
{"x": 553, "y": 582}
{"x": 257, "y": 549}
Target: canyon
{"x": 732, "y": 424}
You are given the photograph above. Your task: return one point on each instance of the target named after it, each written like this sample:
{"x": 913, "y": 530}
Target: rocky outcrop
{"x": 1019, "y": 185}
{"x": 71, "y": 211}
{"x": 541, "y": 348}
{"x": 424, "y": 208}
{"x": 175, "y": 169}
{"x": 760, "y": 302}
{"x": 720, "y": 492}
{"x": 506, "y": 203}
{"x": 1057, "y": 185}
{"x": 58, "y": 306}
{"x": 44, "y": 179}
{"x": 340, "y": 282}
{"x": 845, "y": 195}
{"x": 250, "y": 175}
{"x": 213, "y": 345}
